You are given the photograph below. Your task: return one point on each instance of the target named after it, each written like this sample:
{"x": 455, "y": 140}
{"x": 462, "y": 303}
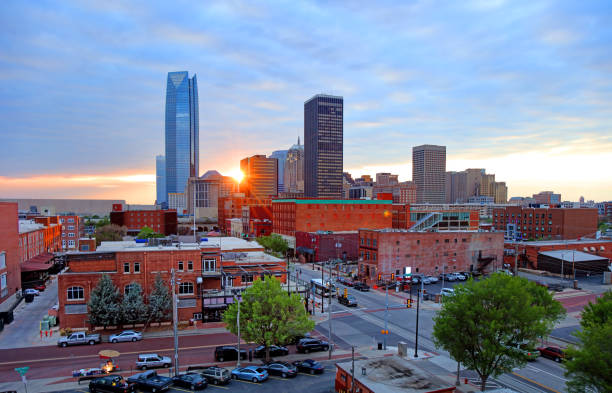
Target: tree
{"x": 485, "y": 321}
{"x": 160, "y": 301}
{"x": 133, "y": 307}
{"x": 274, "y": 243}
{"x": 268, "y": 315}
{"x": 110, "y": 232}
{"x": 104, "y": 303}
{"x": 589, "y": 367}
{"x": 148, "y": 233}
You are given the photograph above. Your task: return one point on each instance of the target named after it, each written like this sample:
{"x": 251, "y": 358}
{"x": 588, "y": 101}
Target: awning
{"x": 39, "y": 262}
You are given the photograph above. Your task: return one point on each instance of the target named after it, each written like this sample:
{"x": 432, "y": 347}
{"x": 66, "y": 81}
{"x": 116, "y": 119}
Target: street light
{"x": 238, "y": 325}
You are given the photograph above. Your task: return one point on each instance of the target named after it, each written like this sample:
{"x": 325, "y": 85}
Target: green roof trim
{"x": 334, "y": 201}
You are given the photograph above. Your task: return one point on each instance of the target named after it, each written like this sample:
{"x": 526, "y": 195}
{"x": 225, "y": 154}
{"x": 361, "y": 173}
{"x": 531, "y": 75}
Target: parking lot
{"x": 306, "y": 383}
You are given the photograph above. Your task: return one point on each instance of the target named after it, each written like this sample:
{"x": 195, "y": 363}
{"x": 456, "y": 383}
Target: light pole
{"x": 329, "y": 314}
{"x": 314, "y": 251}
{"x": 416, "y": 338}
{"x": 238, "y": 325}
{"x": 173, "y": 282}
{"x": 386, "y": 315}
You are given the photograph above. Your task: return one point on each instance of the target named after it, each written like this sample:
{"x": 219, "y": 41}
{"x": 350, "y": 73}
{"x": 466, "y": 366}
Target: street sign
{"x": 407, "y": 271}
{"x": 22, "y": 370}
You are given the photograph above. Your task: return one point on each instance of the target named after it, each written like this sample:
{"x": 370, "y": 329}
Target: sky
{"x": 521, "y": 88}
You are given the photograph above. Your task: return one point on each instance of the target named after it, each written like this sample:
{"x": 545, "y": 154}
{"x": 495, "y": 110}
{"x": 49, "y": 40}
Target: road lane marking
{"x": 217, "y": 386}
{"x": 182, "y": 390}
{"x": 122, "y": 353}
{"x": 537, "y": 383}
{"x": 546, "y": 372}
{"x": 243, "y": 381}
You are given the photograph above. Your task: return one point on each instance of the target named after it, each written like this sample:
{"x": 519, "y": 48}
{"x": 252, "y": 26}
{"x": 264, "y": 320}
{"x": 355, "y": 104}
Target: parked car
{"x": 360, "y": 286}
{"x": 416, "y": 278}
{"x": 426, "y": 280}
{"x": 31, "y": 291}
{"x": 309, "y": 366}
{"x": 152, "y": 360}
{"x": 447, "y": 291}
{"x": 348, "y": 300}
{"x": 79, "y": 338}
{"x": 530, "y": 353}
{"x": 250, "y": 373}
{"x": 275, "y": 350}
{"x": 554, "y": 353}
{"x": 149, "y": 380}
{"x": 312, "y": 344}
{"x": 216, "y": 375}
{"x": 192, "y": 381}
{"x": 111, "y": 384}
{"x": 40, "y": 287}
{"x": 448, "y": 277}
{"x": 432, "y": 279}
{"x": 283, "y": 369}
{"x": 460, "y": 277}
{"x": 228, "y": 352}
{"x": 126, "y": 335}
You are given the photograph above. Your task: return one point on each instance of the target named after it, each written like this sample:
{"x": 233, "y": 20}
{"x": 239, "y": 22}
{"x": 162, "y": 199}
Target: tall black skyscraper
{"x": 323, "y": 153}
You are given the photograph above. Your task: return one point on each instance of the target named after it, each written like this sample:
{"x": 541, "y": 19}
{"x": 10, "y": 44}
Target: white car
{"x": 426, "y": 280}
{"x": 126, "y": 335}
{"x": 432, "y": 279}
{"x": 447, "y": 292}
{"x": 460, "y": 277}
{"x": 31, "y": 291}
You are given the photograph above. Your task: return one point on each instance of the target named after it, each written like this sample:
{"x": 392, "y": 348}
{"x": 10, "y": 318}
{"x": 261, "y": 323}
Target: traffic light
{"x": 379, "y": 277}
{"x": 392, "y": 276}
{"x": 345, "y": 292}
{"x": 408, "y": 303}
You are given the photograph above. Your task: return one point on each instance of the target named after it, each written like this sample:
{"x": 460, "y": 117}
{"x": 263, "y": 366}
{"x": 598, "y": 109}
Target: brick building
{"x": 388, "y": 251}
{"x": 448, "y": 218}
{"x": 544, "y": 223}
{"x": 261, "y": 214}
{"x": 231, "y": 207}
{"x": 71, "y": 232}
{"x": 205, "y": 270}
{"x": 10, "y": 271}
{"x": 327, "y": 245}
{"x": 311, "y": 215}
{"x": 42, "y": 236}
{"x": 161, "y": 221}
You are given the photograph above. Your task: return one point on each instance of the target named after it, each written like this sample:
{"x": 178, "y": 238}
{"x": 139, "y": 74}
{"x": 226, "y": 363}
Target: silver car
{"x": 126, "y": 335}
{"x": 432, "y": 279}
{"x": 152, "y": 360}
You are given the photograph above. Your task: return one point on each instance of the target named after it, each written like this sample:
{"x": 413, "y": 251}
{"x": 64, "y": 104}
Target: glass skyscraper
{"x": 323, "y": 141}
{"x": 160, "y": 177}
{"x": 182, "y": 131}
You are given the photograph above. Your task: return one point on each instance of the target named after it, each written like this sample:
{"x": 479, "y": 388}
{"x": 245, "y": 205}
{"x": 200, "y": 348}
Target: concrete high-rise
{"x": 323, "y": 146}
{"x": 294, "y": 169}
{"x": 182, "y": 131}
{"x": 160, "y": 179}
{"x": 429, "y": 173}
{"x": 260, "y": 176}
{"x": 281, "y": 156}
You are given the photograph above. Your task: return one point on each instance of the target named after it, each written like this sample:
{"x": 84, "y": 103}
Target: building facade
{"x": 547, "y": 198}
{"x": 429, "y": 173}
{"x": 474, "y": 182}
{"x": 388, "y": 251}
{"x": 260, "y": 176}
{"x": 294, "y": 169}
{"x": 281, "y": 157}
{"x": 327, "y": 245}
{"x": 323, "y": 146}
{"x": 438, "y": 218}
{"x": 182, "y": 131}
{"x": 71, "y": 232}
{"x": 231, "y": 207}
{"x": 10, "y": 271}
{"x": 207, "y": 190}
{"x": 161, "y": 221}
{"x": 160, "y": 180}
{"x": 41, "y": 236}
{"x": 523, "y": 223}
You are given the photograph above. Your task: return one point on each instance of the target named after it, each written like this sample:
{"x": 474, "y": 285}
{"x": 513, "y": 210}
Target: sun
{"x": 236, "y": 174}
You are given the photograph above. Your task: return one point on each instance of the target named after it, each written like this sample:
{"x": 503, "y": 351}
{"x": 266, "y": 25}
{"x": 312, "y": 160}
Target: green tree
{"x": 110, "y": 232}
{"x": 485, "y": 321}
{"x": 160, "y": 301}
{"x": 104, "y": 303}
{"x": 268, "y": 315}
{"x": 589, "y": 367}
{"x": 133, "y": 307}
{"x": 274, "y": 243}
{"x": 148, "y": 233}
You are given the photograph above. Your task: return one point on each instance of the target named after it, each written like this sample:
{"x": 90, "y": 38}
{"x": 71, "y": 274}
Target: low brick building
{"x": 388, "y": 251}
{"x": 522, "y": 223}
{"x": 161, "y": 221}
{"x": 231, "y": 207}
{"x": 71, "y": 232}
{"x": 327, "y": 245}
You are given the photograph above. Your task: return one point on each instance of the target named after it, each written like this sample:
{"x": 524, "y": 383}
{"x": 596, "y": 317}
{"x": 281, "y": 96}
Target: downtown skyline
{"x": 523, "y": 90}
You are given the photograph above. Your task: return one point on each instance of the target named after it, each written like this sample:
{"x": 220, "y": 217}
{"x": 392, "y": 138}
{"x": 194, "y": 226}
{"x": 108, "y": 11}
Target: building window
{"x": 71, "y": 220}
{"x": 136, "y": 267}
{"x": 71, "y": 227}
{"x": 463, "y": 240}
{"x": 128, "y": 288}
{"x": 126, "y": 267}
{"x": 180, "y": 266}
{"x": 446, "y": 240}
{"x": 437, "y": 241}
{"x": 246, "y": 278}
{"x": 71, "y": 234}
{"x": 190, "y": 265}
{"x": 374, "y": 242}
{"x": 2, "y": 260}
{"x": 368, "y": 242}
{"x": 76, "y": 293}
{"x": 64, "y": 243}
{"x": 70, "y": 243}
{"x": 186, "y": 288}
{"x": 209, "y": 265}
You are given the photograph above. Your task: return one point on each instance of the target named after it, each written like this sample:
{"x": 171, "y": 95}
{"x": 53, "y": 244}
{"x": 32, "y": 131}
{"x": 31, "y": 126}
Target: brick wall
{"x": 9, "y": 246}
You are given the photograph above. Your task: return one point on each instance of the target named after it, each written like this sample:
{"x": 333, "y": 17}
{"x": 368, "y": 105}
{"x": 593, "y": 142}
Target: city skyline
{"x": 520, "y": 89}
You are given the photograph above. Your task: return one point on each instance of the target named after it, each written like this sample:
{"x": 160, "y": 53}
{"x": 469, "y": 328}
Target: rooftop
{"x": 394, "y": 374}
{"x": 26, "y": 226}
{"x": 334, "y": 201}
{"x": 563, "y": 242}
{"x": 572, "y": 256}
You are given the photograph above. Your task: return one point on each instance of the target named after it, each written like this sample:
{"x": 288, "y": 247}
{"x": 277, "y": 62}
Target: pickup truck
{"x": 79, "y": 338}
{"x": 149, "y": 380}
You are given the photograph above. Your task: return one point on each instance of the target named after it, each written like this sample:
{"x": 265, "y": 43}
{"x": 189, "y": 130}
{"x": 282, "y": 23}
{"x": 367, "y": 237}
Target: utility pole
{"x": 175, "y": 321}
{"x": 386, "y": 315}
{"x": 194, "y": 212}
{"x": 515, "y": 259}
{"x": 329, "y": 307}
{"x": 443, "y": 275}
{"x": 238, "y": 325}
{"x": 416, "y": 339}
{"x": 323, "y": 288}
{"x": 353, "y": 369}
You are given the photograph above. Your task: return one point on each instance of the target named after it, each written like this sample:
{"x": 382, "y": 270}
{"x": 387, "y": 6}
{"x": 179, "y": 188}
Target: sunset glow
{"x": 236, "y": 174}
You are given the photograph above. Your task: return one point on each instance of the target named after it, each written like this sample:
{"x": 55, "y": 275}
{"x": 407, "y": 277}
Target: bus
{"x": 322, "y": 289}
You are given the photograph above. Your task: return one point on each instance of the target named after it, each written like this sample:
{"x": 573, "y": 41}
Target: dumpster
{"x": 44, "y": 325}
{"x": 52, "y": 320}
{"x": 29, "y": 298}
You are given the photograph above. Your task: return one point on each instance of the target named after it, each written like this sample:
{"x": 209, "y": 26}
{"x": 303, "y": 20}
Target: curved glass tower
{"x": 182, "y": 130}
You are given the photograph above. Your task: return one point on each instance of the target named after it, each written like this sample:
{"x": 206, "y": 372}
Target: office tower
{"x": 294, "y": 169}
{"x": 429, "y": 173}
{"x": 160, "y": 179}
{"x": 280, "y": 156}
{"x": 386, "y": 179}
{"x": 260, "y": 176}
{"x": 182, "y": 131}
{"x": 323, "y": 134}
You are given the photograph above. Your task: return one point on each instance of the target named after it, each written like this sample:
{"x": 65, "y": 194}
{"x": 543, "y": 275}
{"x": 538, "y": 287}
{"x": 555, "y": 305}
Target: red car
{"x": 554, "y": 353}
{"x": 40, "y": 287}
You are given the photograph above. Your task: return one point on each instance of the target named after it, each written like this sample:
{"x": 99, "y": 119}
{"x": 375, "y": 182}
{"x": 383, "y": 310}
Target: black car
{"x": 363, "y": 287}
{"x": 191, "y": 381}
{"x": 112, "y": 384}
{"x": 312, "y": 344}
{"x": 275, "y": 350}
{"x": 283, "y": 369}
{"x": 309, "y": 366}
{"x": 228, "y": 352}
